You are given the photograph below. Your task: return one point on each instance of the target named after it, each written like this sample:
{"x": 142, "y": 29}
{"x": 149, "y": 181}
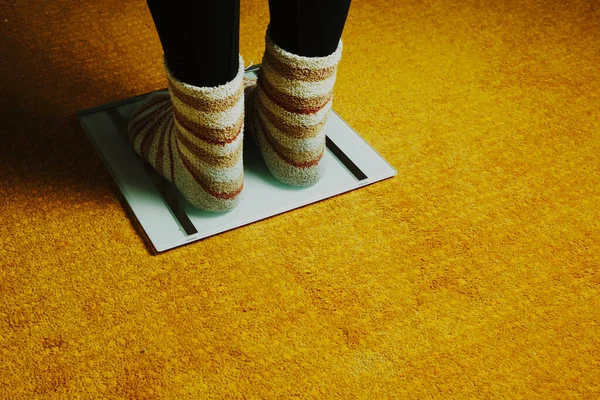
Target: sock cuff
{"x": 210, "y": 93}
{"x": 298, "y": 61}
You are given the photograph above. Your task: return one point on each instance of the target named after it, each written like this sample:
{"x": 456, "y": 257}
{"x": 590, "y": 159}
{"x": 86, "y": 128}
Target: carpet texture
{"x": 472, "y": 274}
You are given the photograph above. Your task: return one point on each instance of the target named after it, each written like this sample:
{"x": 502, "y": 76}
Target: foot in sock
{"x": 193, "y": 137}
{"x": 289, "y": 107}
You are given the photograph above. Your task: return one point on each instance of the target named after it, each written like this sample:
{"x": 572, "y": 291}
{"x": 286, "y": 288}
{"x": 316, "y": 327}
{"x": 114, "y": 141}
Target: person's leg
{"x": 310, "y": 28}
{"x": 193, "y": 134}
{"x": 293, "y": 96}
{"x": 200, "y": 39}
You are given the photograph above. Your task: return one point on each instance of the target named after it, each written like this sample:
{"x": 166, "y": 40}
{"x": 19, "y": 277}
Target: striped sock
{"x": 289, "y": 107}
{"x": 193, "y": 137}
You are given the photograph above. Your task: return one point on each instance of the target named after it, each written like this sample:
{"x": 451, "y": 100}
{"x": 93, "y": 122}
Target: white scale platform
{"x": 170, "y": 221}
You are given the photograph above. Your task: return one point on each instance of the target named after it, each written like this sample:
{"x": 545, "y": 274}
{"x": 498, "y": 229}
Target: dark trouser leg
{"x": 200, "y": 39}
{"x": 309, "y": 28}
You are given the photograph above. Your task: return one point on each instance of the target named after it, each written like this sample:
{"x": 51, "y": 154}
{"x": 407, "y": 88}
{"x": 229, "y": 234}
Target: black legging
{"x": 201, "y": 39}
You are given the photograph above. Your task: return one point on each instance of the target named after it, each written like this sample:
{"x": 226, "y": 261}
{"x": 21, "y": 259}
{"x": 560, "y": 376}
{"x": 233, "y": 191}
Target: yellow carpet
{"x": 472, "y": 274}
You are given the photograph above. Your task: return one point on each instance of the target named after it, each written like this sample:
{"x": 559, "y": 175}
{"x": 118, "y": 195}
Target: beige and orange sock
{"x": 290, "y": 106}
{"x": 193, "y": 136}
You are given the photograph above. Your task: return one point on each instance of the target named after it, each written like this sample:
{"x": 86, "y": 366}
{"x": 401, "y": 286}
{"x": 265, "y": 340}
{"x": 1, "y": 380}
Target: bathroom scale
{"x": 169, "y": 220}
